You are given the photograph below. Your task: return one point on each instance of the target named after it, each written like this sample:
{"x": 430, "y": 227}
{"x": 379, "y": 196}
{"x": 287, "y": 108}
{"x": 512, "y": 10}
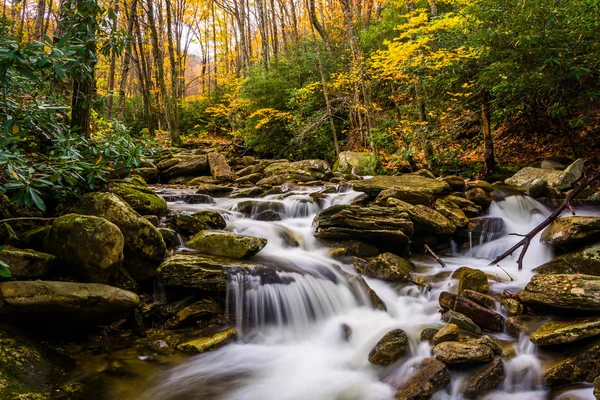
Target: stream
{"x": 308, "y": 336}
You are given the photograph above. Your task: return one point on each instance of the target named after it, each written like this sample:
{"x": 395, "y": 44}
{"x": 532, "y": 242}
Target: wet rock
{"x": 350, "y": 248}
{"x": 577, "y": 292}
{"x": 448, "y": 333}
{"x": 303, "y": 171}
{"x": 571, "y": 231}
{"x": 462, "y": 321}
{"x": 521, "y": 324}
{"x": 90, "y": 247}
{"x": 169, "y": 237}
{"x": 251, "y": 178}
{"x": 512, "y": 306}
{"x": 192, "y": 224}
{"x": 211, "y": 219}
{"x": 481, "y": 229}
{"x": 363, "y": 223}
{"x": 144, "y": 247}
{"x": 557, "y": 179}
{"x": 424, "y": 219}
{"x": 189, "y": 198}
{"x": 483, "y": 379}
{"x": 376, "y": 302}
{"x": 452, "y": 212}
{"x": 471, "y": 279}
{"x": 462, "y": 353}
{"x": 487, "y": 319}
{"x": 64, "y": 305}
{"x": 537, "y": 188}
{"x": 153, "y": 219}
{"x": 481, "y": 184}
{"x": 584, "y": 367}
{"x": 27, "y": 264}
{"x": 428, "y": 334}
{"x": 192, "y": 166}
{"x": 456, "y": 182}
{"x": 268, "y": 215}
{"x": 202, "y": 310}
{"x": 375, "y": 185}
{"x": 199, "y": 181}
{"x": 390, "y": 348}
{"x": 479, "y": 197}
{"x": 34, "y": 238}
{"x": 559, "y": 332}
{"x": 597, "y": 388}
{"x": 586, "y": 261}
{"x": 489, "y": 342}
{"x": 429, "y": 376}
{"x": 479, "y": 298}
{"x": 469, "y": 208}
{"x": 141, "y": 198}
{"x": 253, "y": 207}
{"x": 350, "y": 162}
{"x": 208, "y": 343}
{"x": 388, "y": 267}
{"x": 243, "y": 193}
{"x": 213, "y": 190}
{"x": 226, "y": 244}
{"x": 411, "y": 195}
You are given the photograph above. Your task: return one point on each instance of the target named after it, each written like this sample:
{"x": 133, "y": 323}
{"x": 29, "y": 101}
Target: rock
{"x": 148, "y": 173}
{"x": 456, "y": 182}
{"x": 452, "y": 212}
{"x": 429, "y": 376}
{"x": 424, "y": 218}
{"x": 462, "y": 321}
{"x": 350, "y": 162}
{"x": 7, "y": 235}
{"x": 537, "y": 188}
{"x": 218, "y": 167}
{"x": 428, "y": 334}
{"x": 390, "y": 348}
{"x": 558, "y": 179}
{"x": 521, "y": 324}
{"x": 479, "y": 197}
{"x": 141, "y": 199}
{"x": 34, "y": 238}
{"x": 200, "y": 271}
{"x": 489, "y": 342}
{"x": 597, "y": 388}
{"x": 28, "y": 370}
{"x": 388, "y": 267}
{"x": 65, "y": 305}
{"x": 487, "y": 319}
{"x": 192, "y": 166}
{"x": 189, "y": 198}
{"x": 199, "y": 181}
{"x": 479, "y": 298}
{"x": 585, "y": 261}
{"x": 243, "y": 193}
{"x": 153, "y": 219}
{"x": 363, "y": 223}
{"x": 471, "y": 279}
{"x": 254, "y": 207}
{"x": 188, "y": 316}
{"x": 551, "y": 164}
{"x": 486, "y": 186}
{"x": 375, "y": 185}
{"x": 483, "y": 379}
{"x": 169, "y": 237}
{"x": 144, "y": 247}
{"x": 27, "y": 264}
{"x": 350, "y": 248}
{"x": 512, "y": 306}
{"x": 359, "y": 281}
{"x": 461, "y": 353}
{"x": 571, "y": 231}
{"x": 469, "y": 208}
{"x": 226, "y": 244}
{"x": 303, "y": 171}
{"x": 91, "y": 247}
{"x": 584, "y": 367}
{"x": 190, "y": 224}
{"x": 559, "y": 332}
{"x": 268, "y": 215}
{"x": 481, "y": 229}
{"x": 448, "y": 333}
{"x": 411, "y": 195}
{"x": 208, "y": 343}
{"x": 251, "y": 178}
{"x": 213, "y": 190}
{"x": 211, "y": 219}
{"x": 574, "y": 292}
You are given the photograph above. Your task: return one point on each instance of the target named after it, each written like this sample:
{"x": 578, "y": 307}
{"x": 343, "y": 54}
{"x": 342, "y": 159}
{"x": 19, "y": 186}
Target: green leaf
{"x": 4, "y": 270}
{"x": 37, "y": 199}
{"x": 63, "y": 40}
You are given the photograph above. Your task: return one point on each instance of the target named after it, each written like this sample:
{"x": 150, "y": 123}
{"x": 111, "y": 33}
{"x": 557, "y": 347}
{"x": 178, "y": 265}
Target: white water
{"x": 295, "y": 343}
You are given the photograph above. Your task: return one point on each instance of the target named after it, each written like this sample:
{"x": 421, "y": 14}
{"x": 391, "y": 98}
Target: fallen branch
{"x": 526, "y": 241}
{"x": 437, "y": 258}
{"x": 511, "y": 278}
{"x": 26, "y": 219}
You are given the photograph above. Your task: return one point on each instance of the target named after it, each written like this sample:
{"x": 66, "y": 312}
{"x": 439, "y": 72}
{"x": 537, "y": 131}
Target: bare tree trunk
{"x": 127, "y": 57}
{"x": 47, "y": 23}
{"x": 39, "y": 20}
{"x": 174, "y": 125}
{"x": 112, "y": 68}
{"x": 312, "y": 13}
{"x": 264, "y": 38}
{"x": 328, "y": 105}
{"x": 486, "y": 128}
{"x": 274, "y": 31}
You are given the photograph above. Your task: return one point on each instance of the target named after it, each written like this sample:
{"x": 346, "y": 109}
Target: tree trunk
{"x": 328, "y": 105}
{"x": 486, "y": 128}
{"x": 39, "y": 20}
{"x": 112, "y": 68}
{"x": 127, "y": 57}
{"x": 174, "y": 125}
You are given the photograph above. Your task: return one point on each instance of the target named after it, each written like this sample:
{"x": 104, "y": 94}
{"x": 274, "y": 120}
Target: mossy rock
{"x": 452, "y": 212}
{"x": 462, "y": 353}
{"x": 375, "y": 185}
{"x": 226, "y": 244}
{"x": 188, "y": 166}
{"x": 429, "y": 376}
{"x": 212, "y": 219}
{"x": 411, "y": 195}
{"x": 169, "y": 237}
{"x": 144, "y": 248}
{"x": 569, "y": 232}
{"x": 192, "y": 224}
{"x": 350, "y": 162}
{"x": 140, "y": 198}
{"x": 188, "y": 316}
{"x": 479, "y": 197}
{"x": 483, "y": 379}
{"x": 386, "y": 266}
{"x": 91, "y": 248}
{"x": 425, "y": 219}
{"x": 219, "y": 168}
{"x": 582, "y": 367}
{"x": 559, "y": 332}
{"x": 212, "y": 342}
{"x": 390, "y": 348}
{"x": 573, "y": 292}
{"x": 7, "y": 235}
{"x": 471, "y": 279}
{"x": 585, "y": 261}
{"x": 27, "y": 264}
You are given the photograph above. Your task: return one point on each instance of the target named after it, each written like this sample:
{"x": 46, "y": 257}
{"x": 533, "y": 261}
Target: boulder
{"x": 210, "y": 189}
{"x": 226, "y": 244}
{"x": 141, "y": 199}
{"x": 462, "y": 321}
{"x": 91, "y": 248}
{"x": 559, "y": 332}
{"x": 571, "y": 231}
{"x": 144, "y": 246}
{"x": 585, "y": 261}
{"x": 303, "y": 171}
{"x": 363, "y": 286}
{"x": 192, "y": 166}
{"x": 512, "y": 306}
{"x": 350, "y": 248}
{"x": 479, "y": 298}
{"x": 411, "y": 195}
{"x": 254, "y": 207}
{"x": 268, "y": 215}
{"x": 375, "y": 185}
{"x": 190, "y": 315}
{"x": 471, "y": 279}
{"x": 149, "y": 172}
{"x": 390, "y": 348}
{"x": 27, "y": 264}
{"x": 489, "y": 342}
{"x": 207, "y": 343}
{"x": 469, "y": 208}
{"x": 428, "y": 334}
{"x": 363, "y": 223}
{"x": 448, "y": 333}
{"x": 583, "y": 367}
{"x": 7, "y": 235}
{"x": 425, "y": 219}
{"x": 212, "y": 219}
{"x": 197, "y": 181}
{"x": 557, "y": 179}
{"x": 483, "y": 379}
{"x": 574, "y": 292}
{"x": 487, "y": 319}
{"x": 250, "y": 178}
{"x": 169, "y": 237}
{"x": 350, "y": 162}
{"x": 192, "y": 224}
{"x": 250, "y": 192}
{"x": 429, "y": 376}
{"x": 478, "y": 183}
{"x": 456, "y": 182}
{"x": 462, "y": 353}
{"x": 386, "y": 266}
{"x": 521, "y": 324}
{"x": 189, "y": 198}
{"x": 65, "y": 305}
{"x": 452, "y": 212}
{"x": 481, "y": 229}
{"x": 479, "y": 197}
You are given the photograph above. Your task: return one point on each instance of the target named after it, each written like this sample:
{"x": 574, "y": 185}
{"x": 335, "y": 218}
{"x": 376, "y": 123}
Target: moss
{"x": 226, "y": 244}
{"x": 140, "y": 198}
{"x": 208, "y": 343}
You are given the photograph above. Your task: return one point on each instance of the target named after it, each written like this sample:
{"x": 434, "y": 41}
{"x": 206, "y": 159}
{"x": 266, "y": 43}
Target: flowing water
{"x": 307, "y": 335}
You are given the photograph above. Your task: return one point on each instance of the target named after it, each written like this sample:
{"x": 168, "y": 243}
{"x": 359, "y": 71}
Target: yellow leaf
{"x": 15, "y": 175}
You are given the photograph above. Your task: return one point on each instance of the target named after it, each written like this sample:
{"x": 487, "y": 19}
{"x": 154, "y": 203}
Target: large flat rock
{"x": 576, "y": 292}
{"x": 375, "y": 185}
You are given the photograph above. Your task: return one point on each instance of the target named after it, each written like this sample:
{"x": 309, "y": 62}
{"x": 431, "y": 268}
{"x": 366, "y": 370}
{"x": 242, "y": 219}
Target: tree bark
{"x": 127, "y": 57}
{"x": 486, "y": 128}
{"x": 174, "y": 125}
{"x": 112, "y": 68}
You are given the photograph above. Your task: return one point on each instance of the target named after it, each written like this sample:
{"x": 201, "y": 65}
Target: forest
{"x": 299, "y": 199}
